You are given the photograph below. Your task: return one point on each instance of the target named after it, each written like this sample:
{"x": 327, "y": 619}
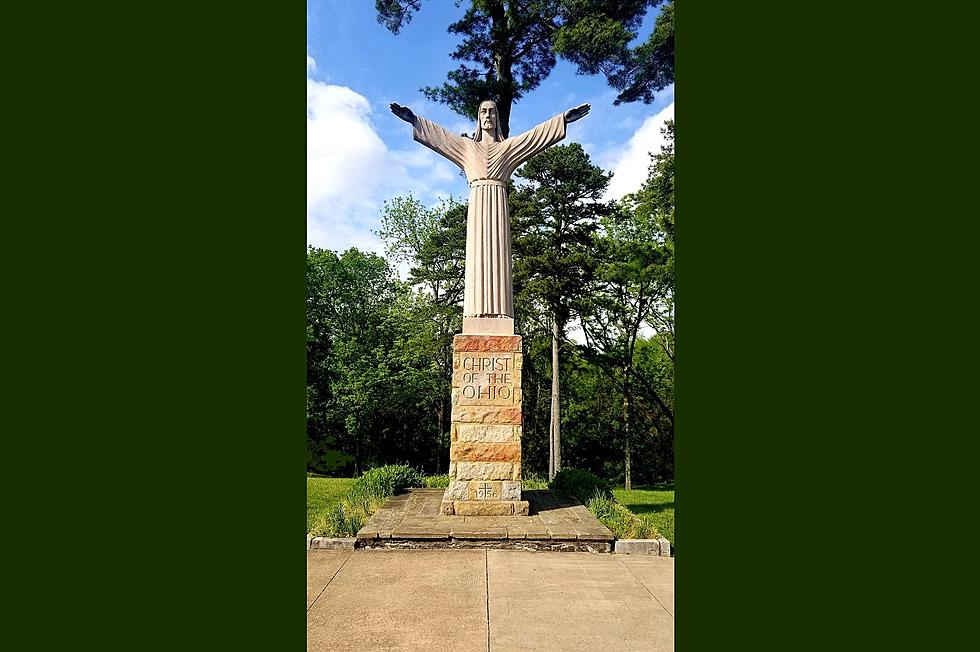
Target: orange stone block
{"x": 486, "y": 414}
{"x": 468, "y": 451}
{"x": 499, "y": 343}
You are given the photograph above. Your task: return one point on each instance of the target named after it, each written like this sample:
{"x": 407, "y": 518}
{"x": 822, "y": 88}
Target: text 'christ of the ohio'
{"x": 487, "y": 377}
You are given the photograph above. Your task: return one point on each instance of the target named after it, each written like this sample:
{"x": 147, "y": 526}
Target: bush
{"x": 533, "y": 481}
{"x": 369, "y": 492}
{"x": 436, "y": 481}
{"x": 581, "y": 484}
{"x": 623, "y": 523}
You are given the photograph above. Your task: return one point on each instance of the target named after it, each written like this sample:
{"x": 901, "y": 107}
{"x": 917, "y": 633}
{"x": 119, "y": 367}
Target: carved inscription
{"x": 486, "y": 491}
{"x": 487, "y": 378}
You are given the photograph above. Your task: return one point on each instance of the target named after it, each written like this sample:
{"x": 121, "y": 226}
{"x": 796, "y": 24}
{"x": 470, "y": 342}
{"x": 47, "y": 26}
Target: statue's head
{"x": 487, "y": 118}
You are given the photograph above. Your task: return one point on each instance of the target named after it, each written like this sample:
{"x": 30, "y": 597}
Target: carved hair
{"x": 478, "y": 136}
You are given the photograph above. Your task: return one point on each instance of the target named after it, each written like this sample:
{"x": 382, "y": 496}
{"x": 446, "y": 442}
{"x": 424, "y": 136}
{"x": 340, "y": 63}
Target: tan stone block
{"x": 488, "y": 395}
{"x": 454, "y": 432}
{"x": 485, "y": 452}
{"x": 457, "y": 490}
{"x": 483, "y": 508}
{"x": 486, "y": 414}
{"x": 446, "y": 508}
{"x": 517, "y": 472}
{"x": 483, "y": 368}
{"x": 518, "y": 361}
{"x": 487, "y": 343}
{"x": 518, "y": 433}
{"x": 483, "y": 490}
{"x": 484, "y": 470}
{"x": 521, "y": 508}
{"x": 485, "y": 432}
{"x": 454, "y": 394}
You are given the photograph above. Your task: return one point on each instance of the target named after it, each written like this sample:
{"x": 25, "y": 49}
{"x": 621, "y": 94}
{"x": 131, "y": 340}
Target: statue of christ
{"x": 488, "y": 159}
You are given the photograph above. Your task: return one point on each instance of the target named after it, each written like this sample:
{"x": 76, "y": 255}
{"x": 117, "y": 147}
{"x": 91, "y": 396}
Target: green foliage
{"x": 436, "y": 481}
{"x": 508, "y": 48}
{"x": 579, "y": 483}
{"x": 322, "y": 495}
{"x": 344, "y": 517}
{"x": 623, "y": 523}
{"x": 533, "y": 481}
{"x": 652, "y": 503}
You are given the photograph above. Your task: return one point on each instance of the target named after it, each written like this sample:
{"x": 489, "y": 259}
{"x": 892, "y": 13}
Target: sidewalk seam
{"x": 645, "y": 588}
{"x": 330, "y": 580}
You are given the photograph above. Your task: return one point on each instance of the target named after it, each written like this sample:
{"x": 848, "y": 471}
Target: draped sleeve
{"x": 521, "y": 148}
{"x": 440, "y": 141}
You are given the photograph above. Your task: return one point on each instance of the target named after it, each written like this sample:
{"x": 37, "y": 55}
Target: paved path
{"x": 412, "y": 520}
{"x": 488, "y": 600}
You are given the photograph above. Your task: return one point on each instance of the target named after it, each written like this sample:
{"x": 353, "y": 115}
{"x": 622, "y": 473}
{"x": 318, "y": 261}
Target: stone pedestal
{"x": 485, "y": 435}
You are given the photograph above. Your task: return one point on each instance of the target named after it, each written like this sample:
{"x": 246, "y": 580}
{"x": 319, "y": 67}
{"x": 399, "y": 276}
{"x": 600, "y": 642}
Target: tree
{"x": 511, "y": 47}
{"x": 554, "y": 219}
{"x": 635, "y": 289}
{"x": 433, "y": 242}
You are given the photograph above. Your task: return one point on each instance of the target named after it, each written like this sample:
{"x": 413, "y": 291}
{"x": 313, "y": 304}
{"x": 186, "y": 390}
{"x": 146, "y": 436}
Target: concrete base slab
{"x": 321, "y": 566}
{"x": 403, "y": 600}
{"x": 657, "y": 575}
{"x": 571, "y": 602}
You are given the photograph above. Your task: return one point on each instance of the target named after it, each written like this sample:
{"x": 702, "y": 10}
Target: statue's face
{"x": 488, "y": 116}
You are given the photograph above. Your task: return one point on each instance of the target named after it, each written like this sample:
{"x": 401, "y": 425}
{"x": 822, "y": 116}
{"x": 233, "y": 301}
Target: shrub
{"x": 436, "y": 481}
{"x": 368, "y": 493}
{"x": 623, "y": 523}
{"x": 581, "y": 484}
{"x": 533, "y": 481}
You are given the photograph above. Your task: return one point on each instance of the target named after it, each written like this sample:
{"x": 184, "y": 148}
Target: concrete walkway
{"x": 487, "y": 600}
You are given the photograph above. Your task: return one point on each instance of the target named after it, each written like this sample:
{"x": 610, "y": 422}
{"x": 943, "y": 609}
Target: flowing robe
{"x": 489, "y": 289}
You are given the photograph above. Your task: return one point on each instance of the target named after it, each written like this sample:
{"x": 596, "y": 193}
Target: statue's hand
{"x": 402, "y": 112}
{"x": 579, "y": 111}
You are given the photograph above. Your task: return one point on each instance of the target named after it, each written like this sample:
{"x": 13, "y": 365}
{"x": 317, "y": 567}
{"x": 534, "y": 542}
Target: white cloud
{"x": 350, "y": 171}
{"x": 631, "y": 162}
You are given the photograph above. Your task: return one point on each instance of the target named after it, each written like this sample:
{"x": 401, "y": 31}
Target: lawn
{"x": 653, "y": 503}
{"x": 322, "y": 494}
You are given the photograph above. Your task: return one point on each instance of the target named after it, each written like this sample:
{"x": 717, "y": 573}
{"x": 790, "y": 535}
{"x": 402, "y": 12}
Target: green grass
{"x": 322, "y": 495}
{"x": 652, "y": 503}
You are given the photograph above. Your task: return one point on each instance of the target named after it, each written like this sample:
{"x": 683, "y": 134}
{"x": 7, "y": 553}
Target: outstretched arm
{"x": 546, "y": 134}
{"x": 579, "y": 111}
{"x": 432, "y": 135}
{"x": 403, "y": 112}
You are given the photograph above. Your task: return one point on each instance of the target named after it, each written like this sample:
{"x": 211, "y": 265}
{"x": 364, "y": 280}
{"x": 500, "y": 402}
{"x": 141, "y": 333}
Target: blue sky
{"x": 359, "y": 154}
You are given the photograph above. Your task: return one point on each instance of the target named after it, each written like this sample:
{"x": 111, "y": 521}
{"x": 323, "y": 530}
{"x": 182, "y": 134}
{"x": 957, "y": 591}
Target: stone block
{"x": 521, "y": 508}
{"x": 487, "y": 414}
{"x": 500, "y": 343}
{"x": 664, "y": 547}
{"x": 484, "y": 470}
{"x": 488, "y": 326}
{"x": 510, "y": 490}
{"x": 483, "y": 490}
{"x": 327, "y": 543}
{"x": 457, "y": 490}
{"x": 481, "y": 432}
{"x": 638, "y": 547}
{"x": 485, "y": 452}
{"x": 484, "y": 508}
{"x": 446, "y": 508}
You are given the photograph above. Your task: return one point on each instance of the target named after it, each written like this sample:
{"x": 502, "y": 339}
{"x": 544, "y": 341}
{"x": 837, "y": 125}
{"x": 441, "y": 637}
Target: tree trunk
{"x": 555, "y": 394}
{"x": 626, "y": 428}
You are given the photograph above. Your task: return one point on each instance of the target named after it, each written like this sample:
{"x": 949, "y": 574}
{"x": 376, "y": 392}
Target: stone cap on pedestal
{"x": 488, "y": 325}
